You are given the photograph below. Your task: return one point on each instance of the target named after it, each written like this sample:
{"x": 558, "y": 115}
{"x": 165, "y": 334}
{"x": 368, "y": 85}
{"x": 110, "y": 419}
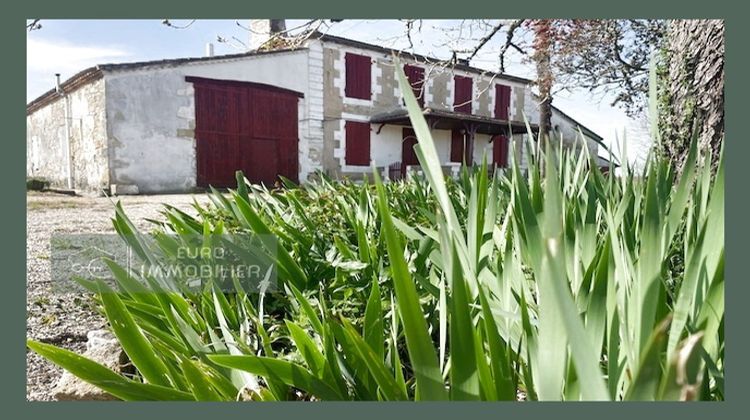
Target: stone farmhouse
{"x": 331, "y": 105}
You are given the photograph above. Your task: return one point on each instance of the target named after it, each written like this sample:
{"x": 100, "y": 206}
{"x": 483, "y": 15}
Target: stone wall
{"x": 385, "y": 142}
{"x": 46, "y": 133}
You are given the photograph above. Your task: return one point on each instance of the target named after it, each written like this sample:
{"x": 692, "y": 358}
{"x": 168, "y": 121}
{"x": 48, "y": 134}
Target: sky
{"x": 69, "y": 46}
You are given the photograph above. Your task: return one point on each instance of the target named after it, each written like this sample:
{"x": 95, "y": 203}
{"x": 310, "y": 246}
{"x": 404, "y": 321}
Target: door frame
{"x": 291, "y": 160}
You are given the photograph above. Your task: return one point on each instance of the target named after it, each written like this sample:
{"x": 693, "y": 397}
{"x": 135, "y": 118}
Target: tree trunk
{"x": 542, "y": 58}
{"x": 691, "y": 88}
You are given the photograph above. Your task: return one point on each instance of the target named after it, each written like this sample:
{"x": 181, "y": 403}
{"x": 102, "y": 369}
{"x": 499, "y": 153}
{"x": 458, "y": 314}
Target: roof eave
{"x": 486, "y": 125}
{"x": 78, "y": 80}
{"x": 587, "y": 131}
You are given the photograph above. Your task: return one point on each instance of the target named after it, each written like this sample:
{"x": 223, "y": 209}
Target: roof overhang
{"x": 603, "y": 162}
{"x": 448, "y": 120}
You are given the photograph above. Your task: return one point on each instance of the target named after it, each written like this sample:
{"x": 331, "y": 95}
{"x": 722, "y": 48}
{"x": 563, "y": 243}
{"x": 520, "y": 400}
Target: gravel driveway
{"x": 60, "y": 319}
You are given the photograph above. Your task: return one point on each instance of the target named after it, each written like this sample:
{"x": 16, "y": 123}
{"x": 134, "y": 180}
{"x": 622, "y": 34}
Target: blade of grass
{"x": 289, "y": 373}
{"x": 131, "y": 338}
{"x": 105, "y": 379}
{"x": 421, "y": 351}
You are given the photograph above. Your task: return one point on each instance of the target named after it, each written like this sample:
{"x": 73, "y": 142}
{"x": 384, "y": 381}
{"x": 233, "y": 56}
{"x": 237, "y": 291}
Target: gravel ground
{"x": 64, "y": 319}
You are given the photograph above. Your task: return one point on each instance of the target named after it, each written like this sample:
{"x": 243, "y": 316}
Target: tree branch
{"x": 34, "y": 25}
{"x": 486, "y": 39}
{"x": 167, "y": 22}
{"x": 509, "y": 42}
{"x": 618, "y": 54}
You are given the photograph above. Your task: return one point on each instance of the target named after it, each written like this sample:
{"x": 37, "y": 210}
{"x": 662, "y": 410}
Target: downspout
{"x": 68, "y": 152}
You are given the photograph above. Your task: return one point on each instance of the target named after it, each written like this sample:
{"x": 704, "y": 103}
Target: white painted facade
{"x": 151, "y": 115}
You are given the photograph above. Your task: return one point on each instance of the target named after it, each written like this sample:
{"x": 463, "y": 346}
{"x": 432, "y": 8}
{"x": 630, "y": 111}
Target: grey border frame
{"x": 13, "y": 210}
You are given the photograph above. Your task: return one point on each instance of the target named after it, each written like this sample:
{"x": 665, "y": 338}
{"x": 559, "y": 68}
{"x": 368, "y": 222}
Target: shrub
{"x": 36, "y": 184}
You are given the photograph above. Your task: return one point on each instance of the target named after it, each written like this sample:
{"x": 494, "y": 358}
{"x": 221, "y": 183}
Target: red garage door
{"x": 244, "y": 126}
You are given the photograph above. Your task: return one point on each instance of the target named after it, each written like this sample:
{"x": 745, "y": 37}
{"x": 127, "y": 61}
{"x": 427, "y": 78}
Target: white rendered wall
{"x": 151, "y": 116}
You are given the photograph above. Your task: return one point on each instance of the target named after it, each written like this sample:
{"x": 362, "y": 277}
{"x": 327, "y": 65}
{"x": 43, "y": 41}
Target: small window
{"x": 415, "y": 75}
{"x": 500, "y": 151}
{"x": 357, "y": 143}
{"x": 457, "y": 145}
{"x": 462, "y": 94}
{"x": 502, "y": 101}
{"x": 358, "y": 76}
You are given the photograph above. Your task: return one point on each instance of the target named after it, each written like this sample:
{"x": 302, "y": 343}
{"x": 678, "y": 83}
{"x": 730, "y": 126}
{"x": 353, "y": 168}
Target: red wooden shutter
{"x": 357, "y": 143}
{"x": 462, "y": 94}
{"x": 502, "y": 101}
{"x": 408, "y": 154}
{"x": 358, "y": 76}
{"x": 500, "y": 150}
{"x": 415, "y": 75}
{"x": 457, "y": 146}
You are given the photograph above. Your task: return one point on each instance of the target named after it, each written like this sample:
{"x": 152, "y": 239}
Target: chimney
{"x": 58, "y": 88}
{"x": 261, "y": 30}
{"x": 209, "y": 49}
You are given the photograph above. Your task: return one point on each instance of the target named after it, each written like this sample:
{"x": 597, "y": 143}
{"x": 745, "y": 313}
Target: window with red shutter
{"x": 357, "y": 143}
{"x": 457, "y": 146}
{"x": 500, "y": 151}
{"x": 502, "y": 101}
{"x": 358, "y": 76}
{"x": 415, "y": 75}
{"x": 462, "y": 94}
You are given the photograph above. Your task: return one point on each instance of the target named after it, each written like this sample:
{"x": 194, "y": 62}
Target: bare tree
{"x": 543, "y": 30}
{"x": 609, "y": 55}
{"x": 598, "y": 55}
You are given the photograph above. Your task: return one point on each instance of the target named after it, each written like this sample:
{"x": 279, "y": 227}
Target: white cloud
{"x": 44, "y": 55}
{"x": 44, "y": 58}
